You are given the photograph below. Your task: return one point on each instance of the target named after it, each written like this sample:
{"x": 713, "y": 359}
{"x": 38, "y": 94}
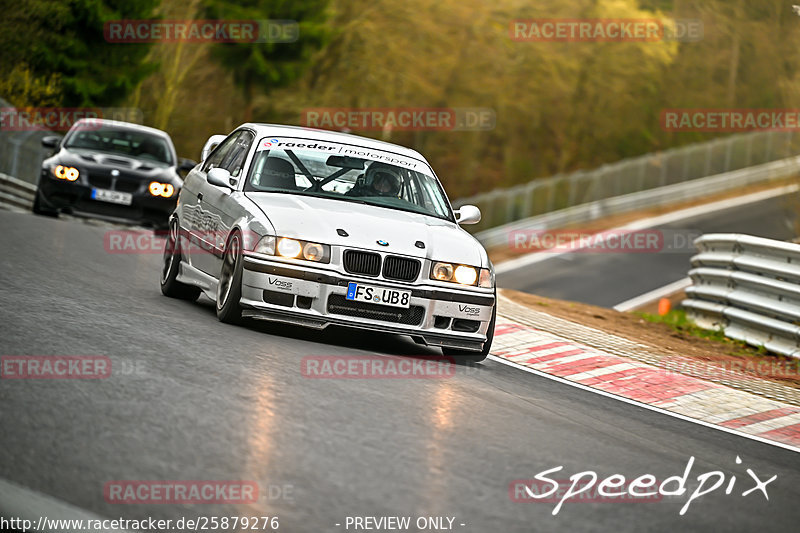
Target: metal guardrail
{"x": 750, "y": 288}
{"x": 16, "y": 193}
{"x": 670, "y": 194}
{"x": 644, "y": 173}
{"x": 21, "y": 151}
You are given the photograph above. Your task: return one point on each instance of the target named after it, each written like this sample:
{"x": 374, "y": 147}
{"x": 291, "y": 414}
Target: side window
{"x": 234, "y": 159}
{"x": 218, "y": 155}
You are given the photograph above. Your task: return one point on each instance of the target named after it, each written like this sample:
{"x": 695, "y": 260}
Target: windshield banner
{"x": 282, "y": 143}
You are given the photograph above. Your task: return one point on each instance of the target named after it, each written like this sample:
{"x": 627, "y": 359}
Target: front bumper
{"x": 76, "y": 198}
{"x": 315, "y": 297}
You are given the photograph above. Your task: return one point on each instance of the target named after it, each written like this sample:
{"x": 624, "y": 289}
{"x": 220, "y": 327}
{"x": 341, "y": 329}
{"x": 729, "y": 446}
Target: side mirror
{"x": 51, "y": 141}
{"x": 220, "y": 177}
{"x": 211, "y": 143}
{"x": 468, "y": 214}
{"x": 186, "y": 164}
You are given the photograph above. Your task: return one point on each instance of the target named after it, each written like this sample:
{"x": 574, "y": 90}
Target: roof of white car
{"x": 331, "y": 136}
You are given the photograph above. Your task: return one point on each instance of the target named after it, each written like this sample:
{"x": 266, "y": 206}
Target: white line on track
{"x": 652, "y": 296}
{"x": 643, "y": 405}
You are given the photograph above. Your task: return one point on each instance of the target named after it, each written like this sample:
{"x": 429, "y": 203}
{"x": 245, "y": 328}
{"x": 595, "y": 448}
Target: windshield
{"x": 347, "y": 173}
{"x": 127, "y": 142}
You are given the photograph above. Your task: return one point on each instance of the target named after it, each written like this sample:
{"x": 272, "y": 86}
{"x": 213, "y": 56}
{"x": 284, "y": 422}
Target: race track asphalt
{"x": 190, "y": 398}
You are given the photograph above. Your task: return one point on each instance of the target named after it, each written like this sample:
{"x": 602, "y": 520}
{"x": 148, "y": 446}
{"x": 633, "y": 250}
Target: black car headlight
{"x": 165, "y": 190}
{"x": 462, "y": 274}
{"x": 293, "y": 249}
{"x": 63, "y": 172}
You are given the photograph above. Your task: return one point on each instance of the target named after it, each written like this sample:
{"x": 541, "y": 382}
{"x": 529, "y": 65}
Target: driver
{"x": 382, "y": 180}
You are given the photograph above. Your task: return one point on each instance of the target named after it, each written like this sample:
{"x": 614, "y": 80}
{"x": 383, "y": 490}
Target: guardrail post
{"x": 571, "y": 191}
{"x": 768, "y": 155}
{"x": 551, "y": 193}
{"x": 749, "y": 150}
{"x": 728, "y": 150}
{"x": 686, "y": 165}
{"x": 642, "y": 171}
{"x": 527, "y": 203}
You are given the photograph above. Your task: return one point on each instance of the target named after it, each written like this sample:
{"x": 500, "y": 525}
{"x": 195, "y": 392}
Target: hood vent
{"x": 115, "y": 161}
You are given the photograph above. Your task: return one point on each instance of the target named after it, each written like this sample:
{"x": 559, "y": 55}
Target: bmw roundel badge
{"x": 383, "y": 243}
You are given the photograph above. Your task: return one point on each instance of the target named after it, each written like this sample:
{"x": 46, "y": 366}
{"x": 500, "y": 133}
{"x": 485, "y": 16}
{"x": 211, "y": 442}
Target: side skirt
{"x": 192, "y": 276}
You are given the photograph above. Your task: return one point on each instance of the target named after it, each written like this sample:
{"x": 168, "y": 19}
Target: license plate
{"x": 114, "y": 197}
{"x": 378, "y": 295}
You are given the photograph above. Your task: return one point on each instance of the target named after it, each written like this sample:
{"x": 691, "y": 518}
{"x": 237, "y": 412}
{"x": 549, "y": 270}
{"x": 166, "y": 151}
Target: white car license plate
{"x": 378, "y": 295}
{"x": 114, "y": 197}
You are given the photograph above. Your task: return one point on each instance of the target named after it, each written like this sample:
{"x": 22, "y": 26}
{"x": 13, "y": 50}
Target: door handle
{"x": 199, "y": 196}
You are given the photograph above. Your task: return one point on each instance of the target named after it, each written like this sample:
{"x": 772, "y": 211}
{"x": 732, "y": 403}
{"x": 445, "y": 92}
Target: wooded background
{"x": 559, "y": 106}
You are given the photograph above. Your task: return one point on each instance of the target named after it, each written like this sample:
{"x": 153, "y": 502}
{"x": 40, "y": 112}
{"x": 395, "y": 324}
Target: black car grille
{"x": 401, "y": 268}
{"x": 364, "y": 263}
{"x": 127, "y": 185}
{"x": 339, "y": 305}
{"x": 118, "y": 183}
{"x": 101, "y": 182}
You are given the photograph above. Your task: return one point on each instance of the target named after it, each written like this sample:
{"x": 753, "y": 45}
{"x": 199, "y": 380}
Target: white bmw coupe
{"x": 315, "y": 228}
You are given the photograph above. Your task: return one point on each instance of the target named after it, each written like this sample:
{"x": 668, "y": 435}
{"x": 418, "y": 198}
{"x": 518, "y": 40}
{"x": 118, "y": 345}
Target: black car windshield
{"x": 347, "y": 173}
{"x": 122, "y": 141}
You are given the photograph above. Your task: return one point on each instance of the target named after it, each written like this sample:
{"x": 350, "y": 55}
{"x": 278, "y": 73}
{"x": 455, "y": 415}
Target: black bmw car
{"x": 112, "y": 170}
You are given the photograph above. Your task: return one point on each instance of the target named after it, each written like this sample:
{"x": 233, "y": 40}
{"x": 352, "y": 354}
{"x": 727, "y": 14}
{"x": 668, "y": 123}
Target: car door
{"x": 204, "y": 225}
{"x": 221, "y": 204}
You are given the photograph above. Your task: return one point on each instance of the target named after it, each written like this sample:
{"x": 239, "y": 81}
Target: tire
{"x": 38, "y": 209}
{"x": 170, "y": 286}
{"x": 229, "y": 288}
{"x": 464, "y": 356}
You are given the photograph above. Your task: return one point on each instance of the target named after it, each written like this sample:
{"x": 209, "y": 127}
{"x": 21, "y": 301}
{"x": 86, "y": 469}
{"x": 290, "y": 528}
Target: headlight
{"x": 66, "y": 173}
{"x": 289, "y": 248}
{"x": 466, "y": 275}
{"x": 164, "y": 190}
{"x": 442, "y": 272}
{"x": 293, "y": 249}
{"x": 313, "y": 251}
{"x": 461, "y": 274}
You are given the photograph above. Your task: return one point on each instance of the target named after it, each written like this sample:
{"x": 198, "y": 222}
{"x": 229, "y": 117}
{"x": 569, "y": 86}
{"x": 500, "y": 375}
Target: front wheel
{"x": 229, "y": 288}
{"x": 464, "y": 356}
{"x": 39, "y": 209}
{"x": 170, "y": 286}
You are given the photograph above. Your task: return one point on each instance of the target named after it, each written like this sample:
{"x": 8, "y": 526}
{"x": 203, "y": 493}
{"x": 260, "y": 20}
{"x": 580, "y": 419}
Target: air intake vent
{"x": 115, "y": 161}
{"x": 339, "y": 305}
{"x": 364, "y": 263}
{"x": 401, "y": 268}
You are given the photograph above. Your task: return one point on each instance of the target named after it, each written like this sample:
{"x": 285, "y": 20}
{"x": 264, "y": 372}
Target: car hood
{"x": 88, "y": 161}
{"x": 318, "y": 219}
